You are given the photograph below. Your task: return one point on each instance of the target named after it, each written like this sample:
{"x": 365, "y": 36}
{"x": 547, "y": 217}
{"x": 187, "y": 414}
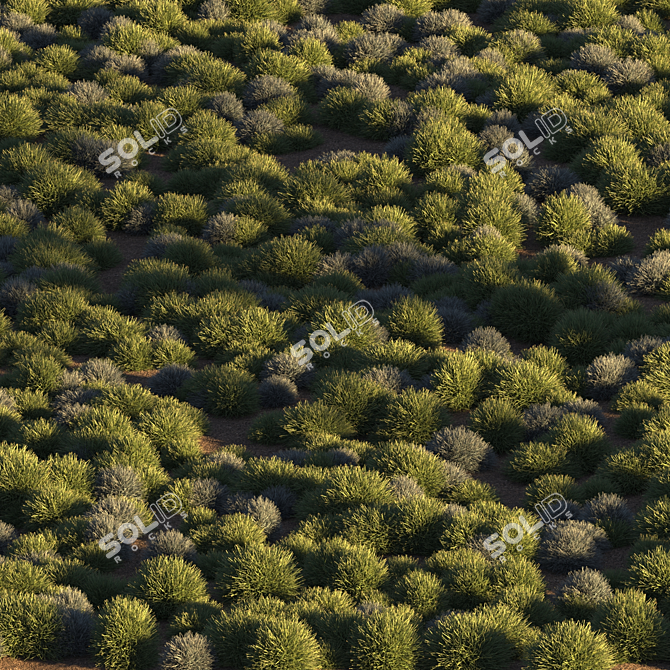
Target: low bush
{"x": 572, "y": 545}
{"x": 582, "y": 592}
{"x": 256, "y": 570}
{"x": 187, "y": 651}
{"x": 571, "y": 643}
{"x": 125, "y": 636}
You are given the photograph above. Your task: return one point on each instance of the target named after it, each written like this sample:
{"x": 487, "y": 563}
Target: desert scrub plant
{"x": 291, "y": 261}
{"x": 651, "y": 275}
{"x": 607, "y": 375}
{"x": 457, "y": 382}
{"x": 499, "y": 422}
{"x": 463, "y": 447}
{"x": 581, "y": 335}
{"x": 572, "y": 545}
{"x": 338, "y": 564}
{"x": 440, "y": 142}
{"x": 525, "y": 383}
{"x": 167, "y": 582}
{"x": 582, "y": 592}
{"x": 20, "y": 119}
{"x": 570, "y": 644}
{"x": 125, "y": 637}
{"x": 634, "y": 627}
{"x": 527, "y": 311}
{"x": 387, "y": 638}
{"x": 401, "y": 458}
{"x": 416, "y": 320}
{"x": 254, "y": 571}
{"x": 187, "y": 651}
{"x": 564, "y": 220}
{"x": 31, "y": 626}
{"x": 489, "y": 635}
{"x": 413, "y": 416}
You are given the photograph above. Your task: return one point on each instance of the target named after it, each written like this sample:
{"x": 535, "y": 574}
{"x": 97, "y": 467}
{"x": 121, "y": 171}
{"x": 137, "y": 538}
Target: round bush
{"x": 607, "y": 375}
{"x": 463, "y": 447}
{"x": 499, "y": 422}
{"x": 487, "y": 338}
{"x": 572, "y": 545}
{"x": 284, "y": 643}
{"x": 386, "y": 639}
{"x": 582, "y": 592}
{"x": 570, "y": 645}
{"x": 257, "y": 570}
{"x": 187, "y": 651}
{"x": 126, "y": 635}
{"x": 634, "y": 627}
{"x": 277, "y": 391}
{"x": 526, "y": 311}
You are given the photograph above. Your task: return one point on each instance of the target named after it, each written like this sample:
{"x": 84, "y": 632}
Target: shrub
{"x": 125, "y": 636}
{"x": 416, "y": 320}
{"x": 291, "y": 261}
{"x": 257, "y": 570}
{"x": 499, "y": 422}
{"x": 484, "y": 637}
{"x": 606, "y": 375}
{"x": 525, "y": 383}
{"x": 570, "y": 644}
{"x": 651, "y": 276}
{"x": 463, "y": 447}
{"x": 284, "y": 643}
{"x": 413, "y": 416}
{"x": 187, "y": 651}
{"x": 354, "y": 569}
{"x": 399, "y": 458}
{"x": 166, "y": 582}
{"x": 572, "y": 545}
{"x": 19, "y": 118}
{"x": 223, "y": 391}
{"x": 440, "y": 142}
{"x": 582, "y": 592}
{"x": 526, "y": 312}
{"x": 580, "y": 335}
{"x": 386, "y": 639}
{"x": 634, "y": 627}
{"x": 30, "y": 626}
{"x": 564, "y": 220}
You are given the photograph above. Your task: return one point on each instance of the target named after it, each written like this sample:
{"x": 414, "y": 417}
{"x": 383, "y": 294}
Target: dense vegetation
{"x": 348, "y": 530}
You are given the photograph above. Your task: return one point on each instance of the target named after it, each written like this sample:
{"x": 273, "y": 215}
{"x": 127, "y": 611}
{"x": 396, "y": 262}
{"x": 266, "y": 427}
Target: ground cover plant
{"x": 310, "y": 310}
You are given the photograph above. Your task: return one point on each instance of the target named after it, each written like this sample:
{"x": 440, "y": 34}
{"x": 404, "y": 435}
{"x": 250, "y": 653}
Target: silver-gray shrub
{"x": 120, "y": 480}
{"x": 462, "y": 446}
{"x": 187, "y": 651}
{"x": 607, "y": 374}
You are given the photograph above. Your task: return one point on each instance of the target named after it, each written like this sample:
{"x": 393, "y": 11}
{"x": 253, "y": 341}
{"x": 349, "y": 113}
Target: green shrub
{"x": 19, "y": 117}
{"x": 564, "y": 220}
{"x": 125, "y": 636}
{"x": 291, "y": 261}
{"x": 167, "y": 582}
{"x": 354, "y": 569}
{"x": 582, "y": 334}
{"x": 386, "y": 639}
{"x": 186, "y": 211}
{"x": 525, "y": 383}
{"x": 457, "y": 382}
{"x": 400, "y": 458}
{"x": 499, "y": 422}
{"x": 570, "y": 644}
{"x": 634, "y": 627}
{"x": 523, "y": 89}
{"x": 440, "y": 142}
{"x": 256, "y": 570}
{"x": 31, "y": 627}
{"x": 483, "y": 638}
{"x": 413, "y": 416}
{"x": 224, "y": 390}
{"x": 526, "y": 311}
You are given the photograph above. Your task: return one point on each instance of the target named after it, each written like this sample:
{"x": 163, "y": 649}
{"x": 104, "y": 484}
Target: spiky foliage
{"x": 582, "y": 592}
